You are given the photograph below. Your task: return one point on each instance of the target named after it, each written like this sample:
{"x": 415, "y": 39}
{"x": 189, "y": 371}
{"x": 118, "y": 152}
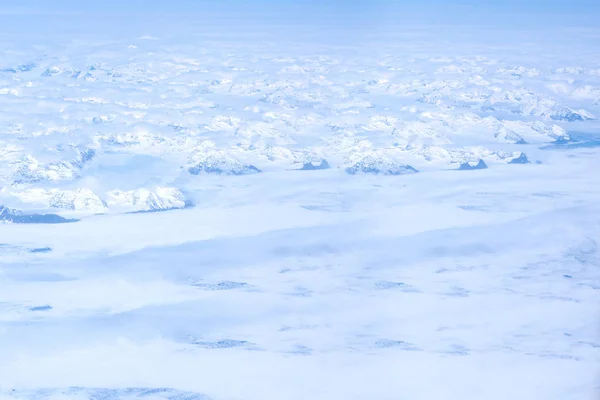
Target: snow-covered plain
{"x": 217, "y": 208}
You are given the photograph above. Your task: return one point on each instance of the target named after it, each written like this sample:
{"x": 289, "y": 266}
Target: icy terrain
{"x": 230, "y": 209}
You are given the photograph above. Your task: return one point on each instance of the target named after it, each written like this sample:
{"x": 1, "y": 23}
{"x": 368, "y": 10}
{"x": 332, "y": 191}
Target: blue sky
{"x": 349, "y": 15}
{"x": 537, "y": 6}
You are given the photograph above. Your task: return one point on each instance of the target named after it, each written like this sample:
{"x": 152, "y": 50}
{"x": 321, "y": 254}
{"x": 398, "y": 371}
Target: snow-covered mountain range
{"x": 119, "y": 128}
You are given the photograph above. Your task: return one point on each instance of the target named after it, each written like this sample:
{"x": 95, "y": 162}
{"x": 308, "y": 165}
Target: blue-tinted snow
{"x": 333, "y": 251}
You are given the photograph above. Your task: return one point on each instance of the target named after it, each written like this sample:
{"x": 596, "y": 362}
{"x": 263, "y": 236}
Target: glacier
{"x": 299, "y": 200}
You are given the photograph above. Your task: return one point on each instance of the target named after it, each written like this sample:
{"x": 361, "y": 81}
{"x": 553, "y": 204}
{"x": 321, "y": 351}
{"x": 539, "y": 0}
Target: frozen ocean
{"x": 299, "y": 200}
